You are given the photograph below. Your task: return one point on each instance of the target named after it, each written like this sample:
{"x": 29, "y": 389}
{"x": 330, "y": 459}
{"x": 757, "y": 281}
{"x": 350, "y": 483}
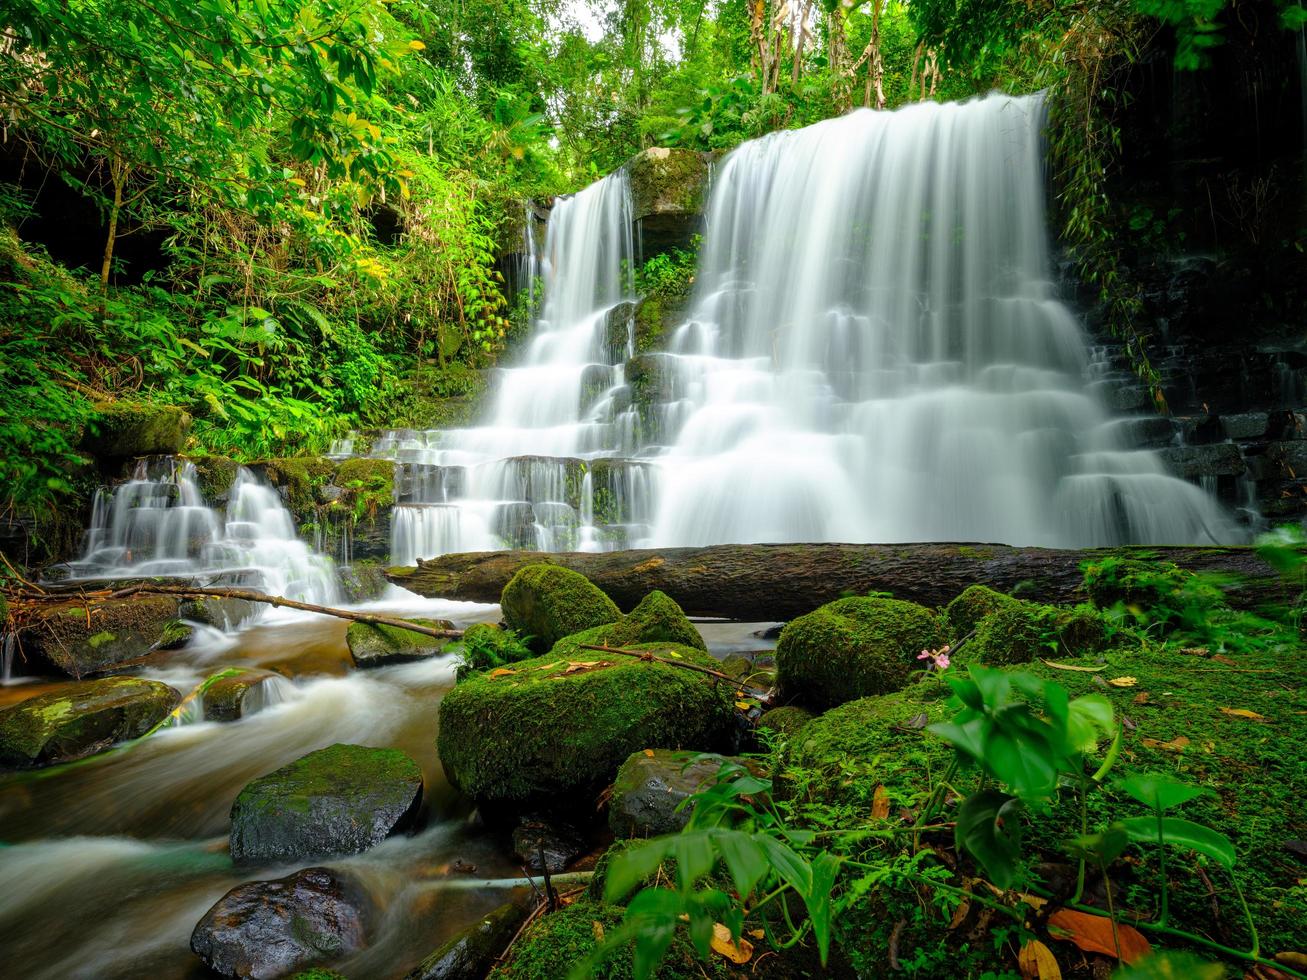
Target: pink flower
{"x": 938, "y": 658}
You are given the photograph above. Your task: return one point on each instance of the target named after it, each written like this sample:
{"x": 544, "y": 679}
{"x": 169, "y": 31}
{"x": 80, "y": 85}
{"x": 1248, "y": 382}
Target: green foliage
{"x": 486, "y": 647}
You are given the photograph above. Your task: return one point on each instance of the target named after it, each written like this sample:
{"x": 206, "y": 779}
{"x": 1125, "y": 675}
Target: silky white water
{"x": 875, "y": 351}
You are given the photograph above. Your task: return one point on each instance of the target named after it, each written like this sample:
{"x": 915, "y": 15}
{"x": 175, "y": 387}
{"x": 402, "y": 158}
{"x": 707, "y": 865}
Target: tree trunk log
{"x": 775, "y": 582}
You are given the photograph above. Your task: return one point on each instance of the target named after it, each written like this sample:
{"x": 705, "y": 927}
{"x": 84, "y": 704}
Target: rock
{"x": 217, "y": 612}
{"x": 1080, "y": 630}
{"x": 657, "y": 619}
{"x": 301, "y": 481}
{"x": 214, "y": 476}
{"x": 974, "y": 604}
{"x": 374, "y": 645}
{"x": 617, "y": 332}
{"x": 1148, "y": 431}
{"x": 1014, "y": 634}
{"x": 112, "y": 633}
{"x": 1201, "y": 430}
{"x": 339, "y": 800}
{"x": 270, "y": 928}
{"x": 362, "y": 581}
{"x": 596, "y": 379}
{"x": 80, "y": 719}
{"x": 853, "y": 647}
{"x": 651, "y": 785}
{"x": 232, "y": 698}
{"x": 547, "y": 603}
{"x": 470, "y": 954}
{"x": 667, "y": 196}
{"x": 787, "y": 721}
{"x": 1194, "y": 462}
{"x": 125, "y": 428}
{"x": 551, "y": 729}
{"x": 737, "y": 665}
{"x": 544, "y": 845}
{"x": 1246, "y": 425}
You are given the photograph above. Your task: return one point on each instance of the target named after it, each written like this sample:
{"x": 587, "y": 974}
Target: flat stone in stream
{"x": 80, "y": 719}
{"x": 267, "y": 929}
{"x": 471, "y": 953}
{"x": 546, "y": 845}
{"x": 339, "y": 800}
{"x": 374, "y": 645}
{"x": 241, "y": 694}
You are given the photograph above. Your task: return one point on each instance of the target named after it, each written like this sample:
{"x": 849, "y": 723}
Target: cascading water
{"x": 158, "y": 523}
{"x": 875, "y": 352}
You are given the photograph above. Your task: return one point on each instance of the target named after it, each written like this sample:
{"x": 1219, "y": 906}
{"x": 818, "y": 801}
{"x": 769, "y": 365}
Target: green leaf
{"x": 1089, "y": 719}
{"x": 1158, "y": 791}
{"x": 635, "y": 865}
{"x": 1022, "y": 763}
{"x": 825, "y": 869}
{"x": 745, "y": 860}
{"x": 989, "y": 829}
{"x": 1101, "y": 848}
{"x": 1184, "y": 834}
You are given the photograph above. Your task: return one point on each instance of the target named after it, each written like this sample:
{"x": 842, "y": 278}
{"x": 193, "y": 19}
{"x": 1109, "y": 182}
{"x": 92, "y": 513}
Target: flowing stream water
{"x": 875, "y": 351}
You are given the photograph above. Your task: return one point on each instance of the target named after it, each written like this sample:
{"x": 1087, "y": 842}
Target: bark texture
{"x": 774, "y": 582}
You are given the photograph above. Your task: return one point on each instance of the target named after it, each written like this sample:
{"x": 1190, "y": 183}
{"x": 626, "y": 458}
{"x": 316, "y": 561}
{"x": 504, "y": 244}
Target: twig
{"x": 761, "y": 695}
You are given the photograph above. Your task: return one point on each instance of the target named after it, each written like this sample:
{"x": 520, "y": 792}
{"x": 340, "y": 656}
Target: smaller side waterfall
{"x": 158, "y": 524}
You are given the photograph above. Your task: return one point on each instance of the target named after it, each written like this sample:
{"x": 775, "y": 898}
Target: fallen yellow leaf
{"x": 501, "y": 672}
{"x": 757, "y": 933}
{"x": 1037, "y": 962}
{"x": 1123, "y": 682}
{"x": 649, "y": 753}
{"x": 1086, "y": 670}
{"x": 1175, "y": 745}
{"x": 880, "y": 803}
{"x": 598, "y": 929}
{"x": 1244, "y": 713}
{"x": 743, "y": 705}
{"x": 722, "y": 944}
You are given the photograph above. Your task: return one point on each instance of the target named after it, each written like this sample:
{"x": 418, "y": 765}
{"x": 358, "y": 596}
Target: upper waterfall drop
{"x": 875, "y": 352}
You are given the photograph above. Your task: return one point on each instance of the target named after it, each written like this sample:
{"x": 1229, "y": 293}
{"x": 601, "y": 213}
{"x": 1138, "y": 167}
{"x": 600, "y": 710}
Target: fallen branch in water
{"x": 25, "y": 600}
{"x": 756, "y": 692}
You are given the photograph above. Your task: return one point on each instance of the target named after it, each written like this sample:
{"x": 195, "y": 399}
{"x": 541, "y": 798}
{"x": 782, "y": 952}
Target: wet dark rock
{"x": 1149, "y": 431}
{"x": 80, "y": 719}
{"x": 471, "y": 953}
{"x": 667, "y": 196}
{"x": 232, "y": 698}
{"x": 1201, "y": 430}
{"x": 217, "y": 612}
{"x": 515, "y": 523}
{"x": 770, "y": 633}
{"x": 651, "y": 785}
{"x": 267, "y": 929}
{"x": 374, "y": 645}
{"x": 1194, "y": 462}
{"x": 1246, "y": 425}
{"x": 545, "y": 845}
{"x": 113, "y": 632}
{"x": 617, "y": 332}
{"x": 339, "y": 800}
{"x": 1286, "y": 425}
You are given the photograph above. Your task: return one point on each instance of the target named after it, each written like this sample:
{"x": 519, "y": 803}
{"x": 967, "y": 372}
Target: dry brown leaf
{"x": 723, "y": 945}
{"x": 1221, "y": 659}
{"x": 880, "y": 803}
{"x": 1123, "y": 682}
{"x": 1295, "y": 961}
{"x": 598, "y": 928}
{"x": 1244, "y": 713}
{"x": 559, "y": 663}
{"x": 1094, "y": 934}
{"x": 1195, "y": 651}
{"x": 581, "y": 666}
{"x": 960, "y": 914}
{"x": 1034, "y": 901}
{"x": 1037, "y": 962}
{"x": 1141, "y": 697}
{"x": 757, "y": 933}
{"x": 649, "y": 753}
{"x": 1086, "y": 670}
{"x": 1177, "y": 744}
{"x": 501, "y": 672}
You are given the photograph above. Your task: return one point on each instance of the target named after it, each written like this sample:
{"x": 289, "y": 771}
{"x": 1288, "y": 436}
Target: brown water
{"x": 107, "y": 865}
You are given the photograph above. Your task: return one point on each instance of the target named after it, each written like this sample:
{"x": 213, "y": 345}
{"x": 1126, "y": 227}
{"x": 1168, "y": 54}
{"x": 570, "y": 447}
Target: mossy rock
{"x": 1158, "y": 588}
{"x": 554, "y": 943}
{"x": 239, "y": 695}
{"x": 840, "y": 757}
{"x": 80, "y": 719}
{"x": 1015, "y": 634}
{"x": 853, "y": 647}
{"x": 126, "y": 428}
{"x": 362, "y": 581}
{"x": 214, "y": 476}
{"x": 374, "y": 645}
{"x": 667, "y": 181}
{"x": 368, "y": 485}
{"x": 657, "y": 619}
{"x": 471, "y": 953}
{"x": 974, "y": 604}
{"x": 550, "y": 730}
{"x": 339, "y": 800}
{"x": 787, "y": 721}
{"x": 651, "y": 786}
{"x": 79, "y": 642}
{"x": 1080, "y": 630}
{"x": 302, "y": 482}
{"x": 547, "y": 603}
{"x": 222, "y": 613}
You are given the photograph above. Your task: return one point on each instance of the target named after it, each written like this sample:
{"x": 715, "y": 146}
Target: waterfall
{"x": 158, "y": 524}
{"x": 875, "y": 351}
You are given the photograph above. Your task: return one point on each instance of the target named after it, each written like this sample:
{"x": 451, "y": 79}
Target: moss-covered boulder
{"x": 550, "y": 728}
{"x": 1159, "y": 588}
{"x": 126, "y": 428}
{"x": 373, "y": 645}
{"x": 547, "y": 603}
{"x": 80, "y": 719}
{"x": 362, "y": 581}
{"x": 79, "y": 641}
{"x": 270, "y": 928}
{"x": 1015, "y": 634}
{"x": 554, "y": 943}
{"x": 339, "y": 800}
{"x": 974, "y": 604}
{"x": 853, "y": 647}
{"x": 657, "y": 619}
{"x": 651, "y": 786}
{"x": 470, "y": 954}
{"x": 786, "y": 721}
{"x": 302, "y": 481}
{"x": 1080, "y": 630}
{"x": 222, "y": 613}
{"x": 238, "y": 695}
{"x": 668, "y": 187}
{"x": 215, "y": 475}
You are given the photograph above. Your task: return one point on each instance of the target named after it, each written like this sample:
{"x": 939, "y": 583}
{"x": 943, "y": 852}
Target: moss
{"x": 79, "y": 642}
{"x": 438, "y": 398}
{"x": 974, "y": 604}
{"x": 317, "y": 973}
{"x": 1080, "y": 629}
{"x": 657, "y": 618}
{"x": 375, "y": 644}
{"x": 853, "y": 647}
{"x": 549, "y": 729}
{"x": 786, "y": 722}
{"x": 176, "y": 635}
{"x": 654, "y": 318}
{"x": 369, "y": 486}
{"x": 214, "y": 475}
{"x": 127, "y": 428}
{"x": 547, "y": 603}
{"x": 554, "y": 943}
{"x": 225, "y": 699}
{"x": 1159, "y": 588}
{"x": 667, "y": 181}
{"x": 301, "y": 480}
{"x": 486, "y": 646}
{"x": 1015, "y": 634}
{"x": 362, "y": 581}
{"x": 79, "y": 719}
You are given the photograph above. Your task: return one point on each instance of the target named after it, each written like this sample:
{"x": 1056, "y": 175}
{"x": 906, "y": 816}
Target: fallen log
{"x": 776, "y": 582}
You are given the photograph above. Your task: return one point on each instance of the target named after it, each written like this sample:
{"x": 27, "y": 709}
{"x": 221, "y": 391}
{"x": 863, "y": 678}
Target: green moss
{"x": 214, "y": 475}
{"x": 301, "y": 480}
{"x": 554, "y": 943}
{"x": 547, "y": 603}
{"x": 974, "y": 604}
{"x": 438, "y": 398}
{"x": 548, "y": 729}
{"x": 176, "y": 634}
{"x": 1080, "y": 630}
{"x": 127, "y": 428}
{"x": 657, "y": 618}
{"x": 786, "y": 722}
{"x": 1161, "y": 589}
{"x": 79, "y": 642}
{"x": 485, "y": 646}
{"x": 374, "y": 644}
{"x": 667, "y": 181}
{"x": 1014, "y": 634}
{"x": 369, "y": 486}
{"x": 853, "y": 647}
